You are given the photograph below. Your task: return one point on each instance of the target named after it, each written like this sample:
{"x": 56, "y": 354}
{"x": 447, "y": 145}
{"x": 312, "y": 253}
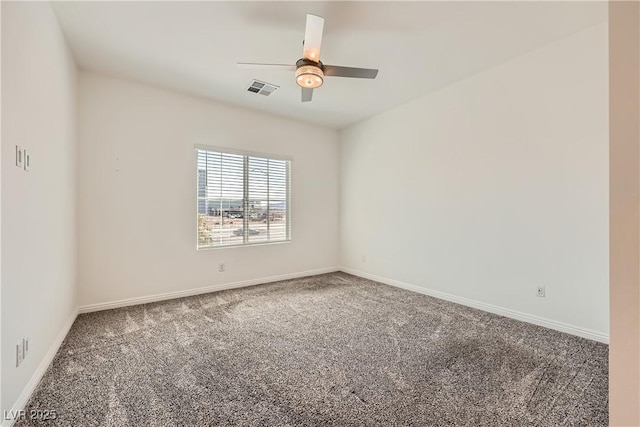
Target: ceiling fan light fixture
{"x": 309, "y": 76}
{"x": 309, "y": 70}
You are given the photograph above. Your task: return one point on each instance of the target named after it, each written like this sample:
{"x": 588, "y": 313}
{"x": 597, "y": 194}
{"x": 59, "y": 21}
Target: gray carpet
{"x": 325, "y": 350}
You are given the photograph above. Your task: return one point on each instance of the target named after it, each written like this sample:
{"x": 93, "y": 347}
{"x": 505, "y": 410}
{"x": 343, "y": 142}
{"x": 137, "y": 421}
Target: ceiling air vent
{"x": 262, "y": 88}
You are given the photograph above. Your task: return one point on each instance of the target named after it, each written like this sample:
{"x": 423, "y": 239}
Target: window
{"x": 243, "y": 199}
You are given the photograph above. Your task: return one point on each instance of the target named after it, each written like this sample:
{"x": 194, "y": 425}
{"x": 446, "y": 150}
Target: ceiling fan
{"x": 309, "y": 70}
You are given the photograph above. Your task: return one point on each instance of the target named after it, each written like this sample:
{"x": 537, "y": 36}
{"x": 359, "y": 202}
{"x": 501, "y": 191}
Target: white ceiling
{"x": 417, "y": 46}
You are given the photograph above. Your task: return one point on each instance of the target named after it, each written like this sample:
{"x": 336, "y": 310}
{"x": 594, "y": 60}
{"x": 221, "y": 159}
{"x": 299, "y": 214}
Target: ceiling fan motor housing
{"x": 309, "y": 74}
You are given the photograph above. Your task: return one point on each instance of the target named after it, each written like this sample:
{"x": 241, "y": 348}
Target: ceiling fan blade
{"x": 313, "y": 37}
{"x": 274, "y": 67}
{"x": 307, "y": 94}
{"x": 359, "y": 73}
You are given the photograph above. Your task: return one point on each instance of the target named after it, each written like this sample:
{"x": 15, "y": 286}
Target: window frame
{"x": 245, "y": 200}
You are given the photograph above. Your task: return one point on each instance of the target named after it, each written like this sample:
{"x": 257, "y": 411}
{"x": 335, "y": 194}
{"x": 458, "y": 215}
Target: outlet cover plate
{"x": 19, "y": 353}
{"x": 19, "y": 157}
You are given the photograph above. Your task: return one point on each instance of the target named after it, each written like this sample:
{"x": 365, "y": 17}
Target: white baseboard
{"x": 197, "y": 291}
{"x": 42, "y": 368}
{"x": 513, "y": 314}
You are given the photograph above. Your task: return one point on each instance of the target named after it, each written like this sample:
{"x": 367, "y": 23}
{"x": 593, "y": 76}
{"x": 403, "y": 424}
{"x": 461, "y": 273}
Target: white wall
{"x": 38, "y": 207}
{"x": 492, "y": 186}
{"x": 137, "y": 187}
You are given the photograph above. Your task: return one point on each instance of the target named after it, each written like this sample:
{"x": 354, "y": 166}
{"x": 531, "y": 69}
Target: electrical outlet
{"x": 19, "y": 157}
{"x": 221, "y": 267}
{"x": 540, "y": 292}
{"x": 26, "y": 346}
{"x": 364, "y": 258}
{"x": 19, "y": 353}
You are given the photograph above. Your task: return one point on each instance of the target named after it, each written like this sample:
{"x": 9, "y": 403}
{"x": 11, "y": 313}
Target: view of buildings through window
{"x": 242, "y": 199}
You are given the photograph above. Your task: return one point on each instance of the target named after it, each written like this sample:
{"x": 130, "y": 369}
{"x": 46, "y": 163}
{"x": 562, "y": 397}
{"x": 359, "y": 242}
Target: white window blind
{"x": 242, "y": 199}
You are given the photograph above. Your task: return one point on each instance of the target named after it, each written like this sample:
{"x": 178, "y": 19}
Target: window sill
{"x": 243, "y": 245}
